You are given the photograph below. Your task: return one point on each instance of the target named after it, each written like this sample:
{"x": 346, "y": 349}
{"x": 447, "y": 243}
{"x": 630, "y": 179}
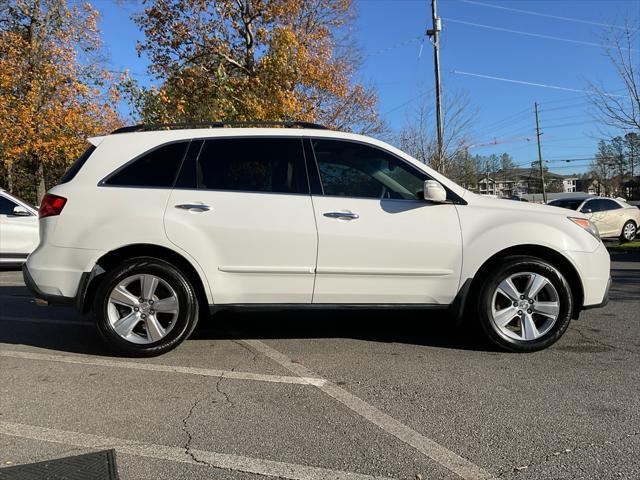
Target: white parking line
{"x": 445, "y": 457}
{"x": 206, "y": 372}
{"x": 193, "y": 456}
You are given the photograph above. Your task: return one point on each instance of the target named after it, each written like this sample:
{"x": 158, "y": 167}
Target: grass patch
{"x": 635, "y": 245}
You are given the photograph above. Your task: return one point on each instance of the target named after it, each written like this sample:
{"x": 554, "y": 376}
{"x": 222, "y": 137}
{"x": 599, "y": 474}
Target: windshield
{"x": 570, "y": 203}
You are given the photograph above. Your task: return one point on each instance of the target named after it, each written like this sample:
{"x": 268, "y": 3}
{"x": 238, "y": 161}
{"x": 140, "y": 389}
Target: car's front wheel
{"x": 145, "y": 307}
{"x": 629, "y": 231}
{"x": 525, "y": 304}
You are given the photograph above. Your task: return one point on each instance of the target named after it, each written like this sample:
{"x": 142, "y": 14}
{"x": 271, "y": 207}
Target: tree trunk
{"x": 40, "y": 184}
{"x": 9, "y": 177}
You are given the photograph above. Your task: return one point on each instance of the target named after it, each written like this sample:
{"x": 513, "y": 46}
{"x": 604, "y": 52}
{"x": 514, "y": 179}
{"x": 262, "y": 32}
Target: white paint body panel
{"x": 254, "y": 247}
{"x": 396, "y": 251}
{"x": 18, "y": 234}
{"x": 271, "y": 248}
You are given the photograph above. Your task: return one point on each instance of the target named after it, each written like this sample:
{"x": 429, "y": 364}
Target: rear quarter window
{"x": 156, "y": 168}
{"x": 77, "y": 165}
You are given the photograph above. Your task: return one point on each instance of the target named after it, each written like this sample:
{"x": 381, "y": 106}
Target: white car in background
{"x": 18, "y": 230}
{"x": 614, "y": 217}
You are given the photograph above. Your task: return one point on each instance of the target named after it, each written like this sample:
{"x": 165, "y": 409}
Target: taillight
{"x": 51, "y": 205}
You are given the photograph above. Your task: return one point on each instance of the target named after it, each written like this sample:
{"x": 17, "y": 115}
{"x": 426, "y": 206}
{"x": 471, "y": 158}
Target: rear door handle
{"x": 342, "y": 215}
{"x": 194, "y": 206}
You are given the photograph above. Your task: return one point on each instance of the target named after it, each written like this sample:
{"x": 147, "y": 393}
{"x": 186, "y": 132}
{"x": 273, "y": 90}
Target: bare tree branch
{"x": 614, "y": 110}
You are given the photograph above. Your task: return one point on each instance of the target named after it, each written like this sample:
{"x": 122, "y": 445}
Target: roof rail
{"x": 161, "y": 126}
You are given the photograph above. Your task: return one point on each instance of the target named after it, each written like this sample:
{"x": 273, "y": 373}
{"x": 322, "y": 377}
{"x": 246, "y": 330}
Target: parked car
{"x": 18, "y": 230}
{"x": 152, "y": 227}
{"x": 614, "y": 217}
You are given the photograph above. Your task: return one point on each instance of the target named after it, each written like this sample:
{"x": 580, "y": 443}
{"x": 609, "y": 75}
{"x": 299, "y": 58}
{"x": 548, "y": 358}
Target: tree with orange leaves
{"x": 50, "y": 98}
{"x": 253, "y": 60}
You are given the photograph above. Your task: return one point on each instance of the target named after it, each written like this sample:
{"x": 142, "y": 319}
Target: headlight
{"x": 586, "y": 225}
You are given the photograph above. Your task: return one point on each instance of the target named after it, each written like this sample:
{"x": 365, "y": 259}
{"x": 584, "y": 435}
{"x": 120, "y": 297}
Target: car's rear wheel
{"x": 629, "y": 231}
{"x": 525, "y": 304}
{"x": 145, "y": 307}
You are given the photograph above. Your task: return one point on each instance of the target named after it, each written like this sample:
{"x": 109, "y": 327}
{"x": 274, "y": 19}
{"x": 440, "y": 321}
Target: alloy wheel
{"x": 629, "y": 231}
{"x": 142, "y": 308}
{"x": 524, "y": 306}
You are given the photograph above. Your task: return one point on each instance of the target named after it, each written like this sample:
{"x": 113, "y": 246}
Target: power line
{"x": 412, "y": 99}
{"x": 497, "y": 129}
{"x": 524, "y": 82}
{"x": 505, "y": 122}
{"x": 395, "y": 45}
{"x": 531, "y": 34}
{"x": 539, "y": 14}
{"x": 571, "y": 124}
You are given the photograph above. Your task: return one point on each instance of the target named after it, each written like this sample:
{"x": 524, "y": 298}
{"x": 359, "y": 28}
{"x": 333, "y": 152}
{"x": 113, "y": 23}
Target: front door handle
{"x": 194, "y": 206}
{"x": 342, "y": 215}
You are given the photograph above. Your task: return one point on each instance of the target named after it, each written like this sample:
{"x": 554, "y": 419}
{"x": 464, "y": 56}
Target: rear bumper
{"x": 37, "y": 293}
{"x": 76, "y": 301}
{"x": 60, "y": 275}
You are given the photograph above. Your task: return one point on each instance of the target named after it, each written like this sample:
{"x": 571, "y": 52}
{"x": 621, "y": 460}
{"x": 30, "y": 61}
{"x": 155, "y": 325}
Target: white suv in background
{"x": 153, "y": 226}
{"x": 18, "y": 230}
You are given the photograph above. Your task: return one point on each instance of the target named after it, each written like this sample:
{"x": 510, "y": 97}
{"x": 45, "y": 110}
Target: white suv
{"x": 154, "y": 226}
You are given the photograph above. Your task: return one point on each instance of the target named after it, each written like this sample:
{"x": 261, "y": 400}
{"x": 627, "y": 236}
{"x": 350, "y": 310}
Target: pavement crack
{"x": 185, "y": 429}
{"x": 601, "y": 343}
{"x": 567, "y": 451}
{"x": 222, "y": 392}
{"x": 246, "y": 347}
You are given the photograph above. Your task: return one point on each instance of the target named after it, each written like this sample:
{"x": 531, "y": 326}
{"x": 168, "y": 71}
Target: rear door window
{"x": 155, "y": 169}
{"x": 270, "y": 165}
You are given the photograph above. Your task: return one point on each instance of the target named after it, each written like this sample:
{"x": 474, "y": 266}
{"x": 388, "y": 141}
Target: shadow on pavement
{"x": 22, "y": 322}
{"x": 418, "y": 327}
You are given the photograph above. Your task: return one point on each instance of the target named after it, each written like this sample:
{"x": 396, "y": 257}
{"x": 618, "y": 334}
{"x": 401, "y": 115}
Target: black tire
{"x": 625, "y": 237}
{"x": 507, "y": 268}
{"x": 182, "y": 326}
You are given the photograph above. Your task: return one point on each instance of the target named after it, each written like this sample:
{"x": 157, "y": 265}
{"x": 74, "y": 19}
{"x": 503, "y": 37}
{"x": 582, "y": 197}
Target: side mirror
{"x": 19, "y": 211}
{"x": 434, "y": 192}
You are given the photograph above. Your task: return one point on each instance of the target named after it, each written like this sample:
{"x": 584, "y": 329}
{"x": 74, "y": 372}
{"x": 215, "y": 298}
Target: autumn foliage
{"x": 253, "y": 60}
{"x": 50, "y": 100}
{"x": 210, "y": 60}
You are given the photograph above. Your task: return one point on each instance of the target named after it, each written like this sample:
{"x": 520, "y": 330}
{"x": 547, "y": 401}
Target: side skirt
{"x": 269, "y": 307}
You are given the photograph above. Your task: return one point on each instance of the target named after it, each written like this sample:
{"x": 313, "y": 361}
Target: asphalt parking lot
{"x": 335, "y": 395}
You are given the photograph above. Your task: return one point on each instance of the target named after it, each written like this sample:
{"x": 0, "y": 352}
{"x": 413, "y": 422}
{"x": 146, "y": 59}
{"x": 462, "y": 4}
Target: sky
{"x": 398, "y": 61}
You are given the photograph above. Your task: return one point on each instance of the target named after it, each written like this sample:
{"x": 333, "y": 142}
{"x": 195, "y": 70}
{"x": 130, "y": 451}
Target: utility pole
{"x": 433, "y": 32}
{"x": 544, "y": 188}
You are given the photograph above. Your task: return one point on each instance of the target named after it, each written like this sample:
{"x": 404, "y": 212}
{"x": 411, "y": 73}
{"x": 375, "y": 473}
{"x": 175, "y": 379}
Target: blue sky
{"x": 400, "y": 65}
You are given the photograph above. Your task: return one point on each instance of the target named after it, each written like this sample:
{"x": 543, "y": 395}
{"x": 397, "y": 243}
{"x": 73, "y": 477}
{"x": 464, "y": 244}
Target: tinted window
{"x": 77, "y": 165}
{"x": 6, "y": 206}
{"x": 156, "y": 168}
{"x": 352, "y": 169}
{"x": 570, "y": 203}
{"x": 600, "y": 205}
{"x": 187, "y": 178}
{"x": 253, "y": 165}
